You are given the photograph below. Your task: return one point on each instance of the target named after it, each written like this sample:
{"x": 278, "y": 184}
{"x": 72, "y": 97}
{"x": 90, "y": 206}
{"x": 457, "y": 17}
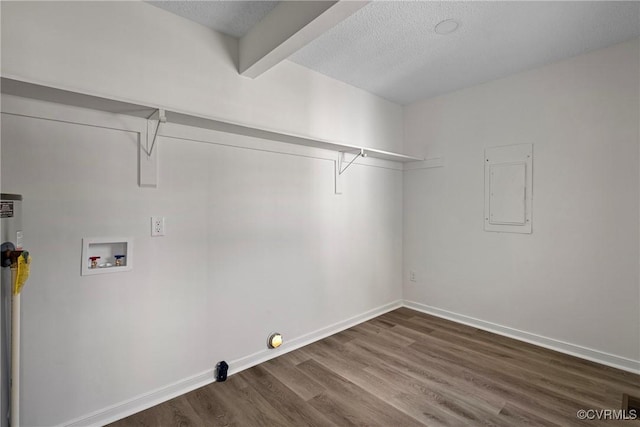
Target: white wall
{"x": 256, "y": 242}
{"x": 137, "y": 52}
{"x": 575, "y": 279}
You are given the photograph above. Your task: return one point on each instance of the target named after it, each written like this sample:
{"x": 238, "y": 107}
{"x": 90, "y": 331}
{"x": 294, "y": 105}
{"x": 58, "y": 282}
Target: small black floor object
{"x": 221, "y": 371}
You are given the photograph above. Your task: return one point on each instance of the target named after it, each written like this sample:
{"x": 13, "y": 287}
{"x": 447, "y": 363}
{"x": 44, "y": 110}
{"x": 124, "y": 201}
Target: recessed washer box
{"x": 107, "y": 250}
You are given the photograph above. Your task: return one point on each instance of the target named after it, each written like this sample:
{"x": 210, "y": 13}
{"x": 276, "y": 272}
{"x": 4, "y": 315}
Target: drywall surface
{"x": 137, "y": 52}
{"x": 256, "y": 242}
{"x": 575, "y": 278}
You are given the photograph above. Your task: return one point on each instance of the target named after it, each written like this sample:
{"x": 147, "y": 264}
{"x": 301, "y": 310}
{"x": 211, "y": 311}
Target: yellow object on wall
{"x": 24, "y": 263}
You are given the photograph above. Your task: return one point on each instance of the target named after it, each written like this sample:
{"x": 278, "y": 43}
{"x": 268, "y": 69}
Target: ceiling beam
{"x": 287, "y": 28}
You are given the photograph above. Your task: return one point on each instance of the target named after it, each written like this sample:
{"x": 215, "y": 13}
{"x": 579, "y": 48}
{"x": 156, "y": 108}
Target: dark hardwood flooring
{"x": 405, "y": 368}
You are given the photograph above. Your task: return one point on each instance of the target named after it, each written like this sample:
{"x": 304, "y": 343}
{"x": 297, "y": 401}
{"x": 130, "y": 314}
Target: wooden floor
{"x": 405, "y": 368}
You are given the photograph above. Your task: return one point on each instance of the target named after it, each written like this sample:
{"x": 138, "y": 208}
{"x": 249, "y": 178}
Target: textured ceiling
{"x": 234, "y": 18}
{"x": 391, "y": 49}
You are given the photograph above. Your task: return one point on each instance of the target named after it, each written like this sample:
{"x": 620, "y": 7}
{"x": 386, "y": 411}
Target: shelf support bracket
{"x": 341, "y": 165}
{"x": 147, "y": 156}
{"x": 359, "y": 153}
{"x": 161, "y": 118}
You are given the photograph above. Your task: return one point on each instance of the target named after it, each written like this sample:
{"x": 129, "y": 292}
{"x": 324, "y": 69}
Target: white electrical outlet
{"x": 412, "y": 275}
{"x": 157, "y": 226}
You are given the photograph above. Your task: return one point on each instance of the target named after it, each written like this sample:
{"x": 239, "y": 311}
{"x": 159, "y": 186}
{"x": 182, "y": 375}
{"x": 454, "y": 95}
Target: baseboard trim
{"x": 142, "y": 402}
{"x": 155, "y": 397}
{"x": 296, "y": 343}
{"x": 597, "y": 356}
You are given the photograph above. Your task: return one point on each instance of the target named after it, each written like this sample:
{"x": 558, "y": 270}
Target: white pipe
{"x": 15, "y": 352}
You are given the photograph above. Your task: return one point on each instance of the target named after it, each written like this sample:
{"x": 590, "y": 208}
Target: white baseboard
{"x": 144, "y": 401}
{"x": 597, "y": 356}
{"x": 296, "y": 343}
{"x": 155, "y": 397}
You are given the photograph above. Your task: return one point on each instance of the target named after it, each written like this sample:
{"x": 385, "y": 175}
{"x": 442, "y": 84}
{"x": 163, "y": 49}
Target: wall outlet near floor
{"x": 412, "y": 275}
{"x": 157, "y": 226}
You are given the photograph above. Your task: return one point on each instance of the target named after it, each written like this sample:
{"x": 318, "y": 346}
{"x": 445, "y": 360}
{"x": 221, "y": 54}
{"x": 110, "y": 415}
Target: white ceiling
{"x": 234, "y": 18}
{"x": 390, "y": 48}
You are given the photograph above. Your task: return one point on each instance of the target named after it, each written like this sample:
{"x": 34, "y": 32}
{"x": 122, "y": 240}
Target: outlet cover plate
{"x": 157, "y": 226}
